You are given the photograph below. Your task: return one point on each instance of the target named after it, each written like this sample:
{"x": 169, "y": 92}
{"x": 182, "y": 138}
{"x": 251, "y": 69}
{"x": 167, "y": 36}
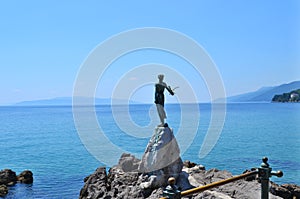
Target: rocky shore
{"x": 9, "y": 178}
{"x": 148, "y": 177}
{"x": 117, "y": 183}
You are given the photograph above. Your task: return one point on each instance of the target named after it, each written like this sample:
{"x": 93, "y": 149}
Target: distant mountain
{"x": 67, "y": 101}
{"x": 265, "y": 94}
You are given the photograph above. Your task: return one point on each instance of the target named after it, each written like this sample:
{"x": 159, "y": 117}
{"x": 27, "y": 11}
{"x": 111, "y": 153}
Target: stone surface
{"x": 129, "y": 163}
{"x": 252, "y": 177}
{"x": 189, "y": 164}
{"x": 8, "y": 177}
{"x": 148, "y": 177}
{"x": 287, "y": 191}
{"x": 161, "y": 151}
{"x": 25, "y": 177}
{"x": 161, "y": 159}
{"x": 134, "y": 178}
{"x": 116, "y": 183}
{"x": 3, "y": 190}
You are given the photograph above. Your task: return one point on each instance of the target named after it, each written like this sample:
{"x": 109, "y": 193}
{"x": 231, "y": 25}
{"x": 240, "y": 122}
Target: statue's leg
{"x": 161, "y": 113}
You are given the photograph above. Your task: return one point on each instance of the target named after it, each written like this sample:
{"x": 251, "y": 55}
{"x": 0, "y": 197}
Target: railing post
{"x": 264, "y": 173}
{"x": 171, "y": 190}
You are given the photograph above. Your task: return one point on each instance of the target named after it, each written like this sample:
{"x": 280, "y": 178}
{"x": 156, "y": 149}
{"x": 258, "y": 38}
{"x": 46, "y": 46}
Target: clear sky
{"x": 43, "y": 43}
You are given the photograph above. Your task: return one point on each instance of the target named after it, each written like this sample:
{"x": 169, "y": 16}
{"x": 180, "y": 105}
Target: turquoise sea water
{"x": 45, "y": 141}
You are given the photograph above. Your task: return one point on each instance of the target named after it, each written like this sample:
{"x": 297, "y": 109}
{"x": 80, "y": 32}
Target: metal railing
{"x": 264, "y": 173}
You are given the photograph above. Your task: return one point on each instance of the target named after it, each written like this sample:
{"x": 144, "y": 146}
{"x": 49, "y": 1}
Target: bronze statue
{"x": 160, "y": 98}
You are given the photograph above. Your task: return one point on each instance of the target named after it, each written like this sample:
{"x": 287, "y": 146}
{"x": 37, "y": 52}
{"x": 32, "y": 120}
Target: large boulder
{"x": 162, "y": 150}
{"x": 25, "y": 177}
{"x": 8, "y": 177}
{"x": 134, "y": 178}
{"x": 161, "y": 159}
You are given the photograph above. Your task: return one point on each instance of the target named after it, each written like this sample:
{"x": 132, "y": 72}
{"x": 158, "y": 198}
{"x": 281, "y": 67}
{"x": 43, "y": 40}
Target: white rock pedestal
{"x": 161, "y": 159}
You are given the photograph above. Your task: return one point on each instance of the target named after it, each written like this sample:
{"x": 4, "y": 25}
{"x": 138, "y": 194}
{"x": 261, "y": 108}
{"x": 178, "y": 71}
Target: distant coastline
{"x": 80, "y": 101}
{"x": 262, "y": 95}
{"x": 291, "y": 97}
{"x": 265, "y": 94}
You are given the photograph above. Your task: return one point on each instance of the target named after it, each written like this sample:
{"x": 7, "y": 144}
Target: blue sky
{"x": 44, "y": 43}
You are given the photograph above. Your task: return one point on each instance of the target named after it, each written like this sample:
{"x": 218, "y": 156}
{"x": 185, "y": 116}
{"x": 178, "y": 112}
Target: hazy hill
{"x": 67, "y": 101}
{"x": 265, "y": 94}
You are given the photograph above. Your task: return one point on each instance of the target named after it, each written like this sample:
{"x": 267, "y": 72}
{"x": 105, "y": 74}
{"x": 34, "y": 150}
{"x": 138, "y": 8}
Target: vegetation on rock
{"x": 293, "y": 96}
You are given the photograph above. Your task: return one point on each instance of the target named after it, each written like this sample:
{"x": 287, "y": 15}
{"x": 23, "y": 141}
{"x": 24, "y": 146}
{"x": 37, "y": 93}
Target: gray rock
{"x": 161, "y": 159}
{"x": 95, "y": 184}
{"x": 161, "y": 151}
{"x": 129, "y": 163}
{"x": 124, "y": 181}
{"x": 116, "y": 184}
{"x": 147, "y": 178}
{"x": 183, "y": 181}
{"x": 237, "y": 189}
{"x": 119, "y": 184}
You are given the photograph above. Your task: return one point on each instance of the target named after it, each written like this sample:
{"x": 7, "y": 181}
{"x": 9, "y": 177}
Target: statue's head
{"x": 161, "y": 77}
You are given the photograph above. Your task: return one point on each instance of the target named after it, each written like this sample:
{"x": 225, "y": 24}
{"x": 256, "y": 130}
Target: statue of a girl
{"x": 160, "y": 98}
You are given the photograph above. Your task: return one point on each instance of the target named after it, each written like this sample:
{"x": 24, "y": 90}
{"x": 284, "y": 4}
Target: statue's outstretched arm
{"x": 170, "y": 90}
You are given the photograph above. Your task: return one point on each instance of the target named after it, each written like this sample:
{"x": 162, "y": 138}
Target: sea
{"x": 46, "y": 140}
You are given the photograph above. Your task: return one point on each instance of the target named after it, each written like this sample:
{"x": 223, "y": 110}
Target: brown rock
{"x": 25, "y": 177}
{"x": 278, "y": 190}
{"x": 293, "y": 188}
{"x": 189, "y": 164}
{"x": 297, "y": 192}
{"x": 3, "y": 190}
{"x": 8, "y": 177}
{"x": 252, "y": 177}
